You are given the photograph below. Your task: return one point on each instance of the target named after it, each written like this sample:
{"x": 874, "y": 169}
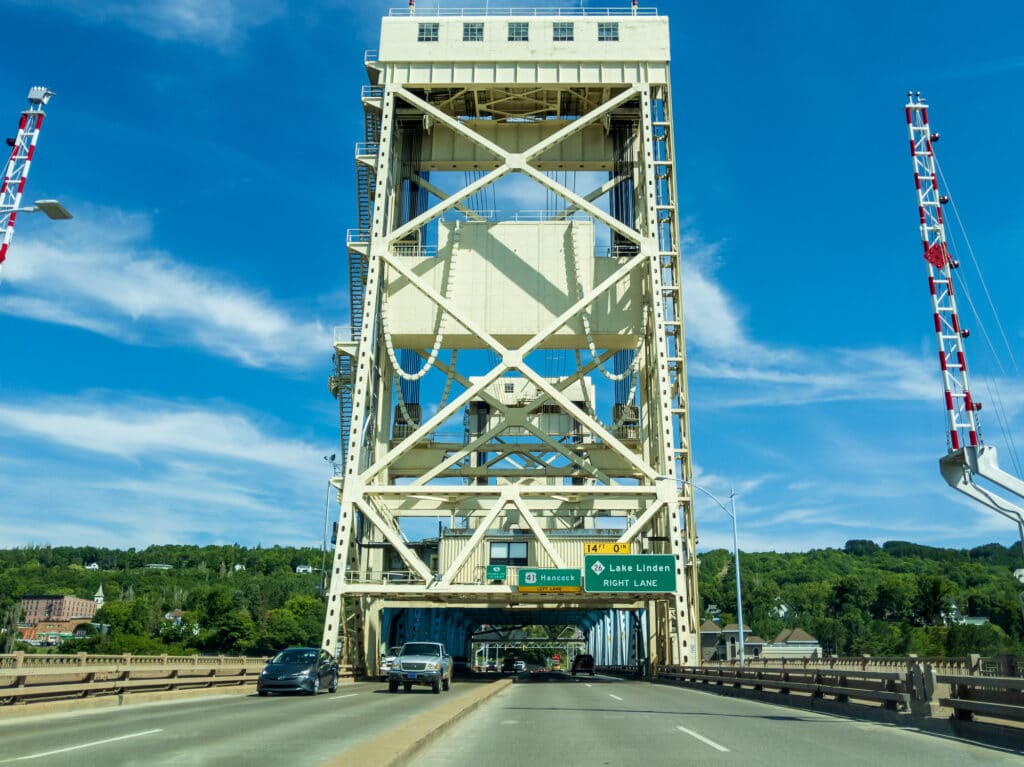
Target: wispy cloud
{"x": 106, "y": 469}
{"x": 106, "y": 279}
{"x": 217, "y": 23}
{"x": 138, "y": 429}
{"x": 752, "y": 373}
{"x": 984, "y": 68}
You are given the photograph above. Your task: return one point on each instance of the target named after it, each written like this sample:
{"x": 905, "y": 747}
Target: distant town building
{"x": 792, "y": 643}
{"x": 1019, "y": 574}
{"x": 98, "y": 598}
{"x": 709, "y": 632}
{"x": 722, "y": 642}
{"x": 92, "y": 566}
{"x": 303, "y": 568}
{"x": 57, "y": 608}
{"x": 157, "y": 566}
{"x": 728, "y": 643}
{"x": 239, "y": 568}
{"x": 53, "y": 632}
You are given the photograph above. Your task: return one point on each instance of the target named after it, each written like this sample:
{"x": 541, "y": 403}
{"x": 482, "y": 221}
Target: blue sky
{"x": 163, "y": 357}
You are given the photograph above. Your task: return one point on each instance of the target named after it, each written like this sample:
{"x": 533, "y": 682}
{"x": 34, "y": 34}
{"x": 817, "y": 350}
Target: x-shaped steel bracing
{"x": 511, "y": 359}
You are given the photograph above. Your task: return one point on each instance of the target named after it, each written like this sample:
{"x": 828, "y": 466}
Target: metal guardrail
{"x": 618, "y": 670}
{"x": 343, "y": 335}
{"x": 909, "y": 685}
{"x": 29, "y": 678}
{"x": 891, "y": 688}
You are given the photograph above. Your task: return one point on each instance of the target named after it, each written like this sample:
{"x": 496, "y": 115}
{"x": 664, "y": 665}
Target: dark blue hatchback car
{"x": 299, "y": 669}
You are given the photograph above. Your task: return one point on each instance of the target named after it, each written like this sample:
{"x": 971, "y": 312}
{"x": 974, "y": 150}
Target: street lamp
{"x": 8, "y": 213}
{"x": 53, "y": 210}
{"x": 735, "y": 553}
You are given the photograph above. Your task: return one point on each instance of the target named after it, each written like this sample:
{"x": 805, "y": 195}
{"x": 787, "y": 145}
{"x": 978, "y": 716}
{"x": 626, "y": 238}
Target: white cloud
{"x": 751, "y": 374}
{"x": 144, "y": 429}
{"x": 219, "y": 23}
{"x": 104, "y": 470}
{"x": 105, "y": 279}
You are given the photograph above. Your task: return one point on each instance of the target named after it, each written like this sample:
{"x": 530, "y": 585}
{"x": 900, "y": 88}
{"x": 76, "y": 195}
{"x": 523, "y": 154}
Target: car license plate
{"x": 412, "y": 676}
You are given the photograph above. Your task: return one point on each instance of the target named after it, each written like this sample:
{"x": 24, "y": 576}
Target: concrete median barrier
{"x": 397, "y": 745}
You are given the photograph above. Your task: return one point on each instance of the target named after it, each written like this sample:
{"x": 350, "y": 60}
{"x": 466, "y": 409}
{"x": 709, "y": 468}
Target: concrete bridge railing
{"x": 27, "y": 678}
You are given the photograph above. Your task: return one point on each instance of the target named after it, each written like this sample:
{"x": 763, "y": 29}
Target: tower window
{"x": 428, "y": 32}
{"x": 514, "y": 554}
{"x": 562, "y": 31}
{"x": 608, "y": 31}
{"x": 518, "y": 31}
{"x": 473, "y": 32}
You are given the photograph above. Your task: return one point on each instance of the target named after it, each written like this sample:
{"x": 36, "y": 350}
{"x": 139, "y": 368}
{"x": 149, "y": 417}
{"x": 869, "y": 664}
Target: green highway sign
{"x": 548, "y": 579}
{"x": 633, "y": 573}
{"x": 497, "y": 572}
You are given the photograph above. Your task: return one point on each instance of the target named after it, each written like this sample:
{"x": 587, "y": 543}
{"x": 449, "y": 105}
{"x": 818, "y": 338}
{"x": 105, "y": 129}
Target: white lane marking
{"x": 702, "y": 739}
{"x": 615, "y": 696}
{"x": 83, "y": 745}
{"x": 587, "y": 684}
{"x": 340, "y": 697}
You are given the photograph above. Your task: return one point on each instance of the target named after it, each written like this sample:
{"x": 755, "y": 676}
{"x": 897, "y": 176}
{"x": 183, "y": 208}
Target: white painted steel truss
{"x": 635, "y": 481}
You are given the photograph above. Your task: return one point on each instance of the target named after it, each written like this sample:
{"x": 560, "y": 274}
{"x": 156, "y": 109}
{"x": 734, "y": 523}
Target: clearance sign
{"x": 605, "y": 548}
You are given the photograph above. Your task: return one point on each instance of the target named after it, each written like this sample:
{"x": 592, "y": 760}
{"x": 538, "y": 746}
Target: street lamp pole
{"x": 327, "y": 507}
{"x": 736, "y": 557}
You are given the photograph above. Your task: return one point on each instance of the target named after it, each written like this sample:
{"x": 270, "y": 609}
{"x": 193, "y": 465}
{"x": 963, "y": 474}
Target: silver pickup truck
{"x": 422, "y": 663}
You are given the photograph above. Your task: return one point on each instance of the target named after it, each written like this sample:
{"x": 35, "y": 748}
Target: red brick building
{"x": 56, "y": 608}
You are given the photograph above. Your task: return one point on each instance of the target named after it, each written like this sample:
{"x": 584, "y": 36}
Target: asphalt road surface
{"x": 543, "y": 719}
{"x": 553, "y": 719}
{"x": 293, "y": 730}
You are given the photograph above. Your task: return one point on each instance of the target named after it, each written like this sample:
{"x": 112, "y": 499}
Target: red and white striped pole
{"x": 961, "y": 408}
{"x": 23, "y": 148}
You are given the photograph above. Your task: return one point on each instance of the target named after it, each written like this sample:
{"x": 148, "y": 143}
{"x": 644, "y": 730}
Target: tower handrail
{"x": 512, "y": 11}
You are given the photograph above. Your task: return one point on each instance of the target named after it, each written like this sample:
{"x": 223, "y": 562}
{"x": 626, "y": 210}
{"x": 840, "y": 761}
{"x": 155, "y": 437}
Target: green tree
{"x": 934, "y": 600}
{"x": 11, "y": 618}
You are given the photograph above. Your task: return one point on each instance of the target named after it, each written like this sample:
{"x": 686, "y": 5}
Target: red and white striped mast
{"x": 23, "y": 147}
{"x": 961, "y": 409}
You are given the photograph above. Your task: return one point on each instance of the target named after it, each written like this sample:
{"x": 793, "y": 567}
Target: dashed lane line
{"x": 614, "y": 696}
{"x": 702, "y": 739}
{"x": 81, "y": 746}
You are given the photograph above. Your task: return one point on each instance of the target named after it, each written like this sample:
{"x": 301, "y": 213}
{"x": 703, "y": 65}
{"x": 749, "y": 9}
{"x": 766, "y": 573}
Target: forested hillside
{"x": 227, "y": 609}
{"x": 867, "y": 599}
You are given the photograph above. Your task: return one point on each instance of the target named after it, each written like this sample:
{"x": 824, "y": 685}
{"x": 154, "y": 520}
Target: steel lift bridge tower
{"x": 514, "y": 378}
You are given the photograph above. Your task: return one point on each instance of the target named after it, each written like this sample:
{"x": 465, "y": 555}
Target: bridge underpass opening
{"x": 615, "y": 638}
{"x": 512, "y": 388}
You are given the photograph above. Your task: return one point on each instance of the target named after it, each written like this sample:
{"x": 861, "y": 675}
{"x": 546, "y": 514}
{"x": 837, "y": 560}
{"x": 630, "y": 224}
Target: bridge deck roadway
{"x": 293, "y": 730}
{"x": 543, "y": 719}
{"x": 548, "y": 719}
